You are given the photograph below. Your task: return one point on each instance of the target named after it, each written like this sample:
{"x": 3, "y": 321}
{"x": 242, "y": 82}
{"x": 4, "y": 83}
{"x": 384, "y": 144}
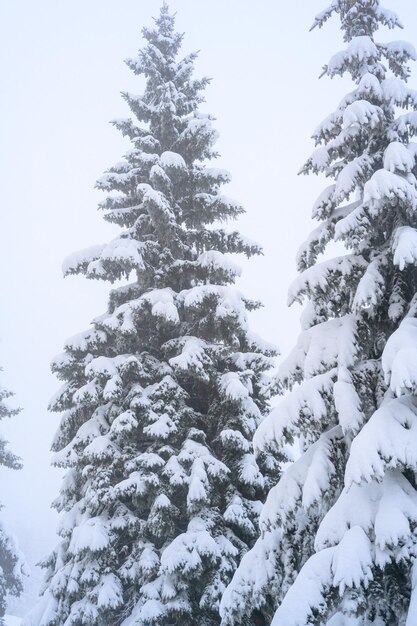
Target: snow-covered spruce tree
{"x": 338, "y": 541}
{"x": 10, "y": 558}
{"x": 162, "y": 396}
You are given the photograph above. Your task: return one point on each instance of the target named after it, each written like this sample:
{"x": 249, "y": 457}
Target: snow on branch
{"x": 388, "y": 440}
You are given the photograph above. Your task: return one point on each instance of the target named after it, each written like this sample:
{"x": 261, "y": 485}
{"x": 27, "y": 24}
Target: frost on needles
{"x": 162, "y": 395}
{"x": 11, "y": 560}
{"x": 338, "y": 541}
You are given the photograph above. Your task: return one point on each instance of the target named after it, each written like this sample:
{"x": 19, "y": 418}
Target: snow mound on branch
{"x": 302, "y": 484}
{"x": 324, "y": 203}
{"x": 397, "y": 507}
{"x": 91, "y": 535}
{"x": 216, "y": 260}
{"x": 307, "y": 592}
{"x": 359, "y": 49}
{"x": 385, "y": 507}
{"x": 405, "y": 246}
{"x": 397, "y": 158}
{"x": 110, "y": 593}
{"x": 394, "y": 90}
{"x": 123, "y": 249}
{"x": 232, "y": 386}
{"x": 402, "y": 49}
{"x": 347, "y": 402}
{"x": 186, "y": 551}
{"x": 10, "y": 620}
{"x": 355, "y": 506}
{"x": 255, "y": 574}
{"x": 362, "y": 112}
{"x": 386, "y": 186}
{"x": 305, "y": 402}
{"x": 229, "y": 301}
{"x": 73, "y": 261}
{"x": 370, "y": 289}
{"x": 172, "y": 159}
{"x": 192, "y": 357}
{"x": 316, "y": 279}
{"x": 400, "y": 357}
{"x": 320, "y": 348}
{"x": 352, "y": 560}
{"x": 320, "y": 158}
{"x": 84, "y": 340}
{"x": 351, "y": 174}
{"x": 345, "y": 565}
{"x": 162, "y": 303}
{"x": 388, "y": 440}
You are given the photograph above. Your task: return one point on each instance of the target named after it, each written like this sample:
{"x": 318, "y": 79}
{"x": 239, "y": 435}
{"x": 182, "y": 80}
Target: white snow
{"x": 400, "y": 357}
{"x": 184, "y": 553}
{"x": 10, "y": 620}
{"x": 396, "y": 91}
{"x": 170, "y": 159}
{"x": 401, "y": 49}
{"x": 73, "y": 261}
{"x": 359, "y": 49}
{"x": 162, "y": 303}
{"x": 229, "y": 300}
{"x": 307, "y": 592}
{"x": 216, "y": 260}
{"x": 320, "y": 348}
{"x": 387, "y": 440}
{"x": 370, "y": 289}
{"x": 324, "y": 203}
{"x": 125, "y": 250}
{"x": 254, "y": 577}
{"x": 397, "y": 158}
{"x": 362, "y": 112}
{"x": 347, "y": 402}
{"x": 412, "y": 610}
{"x": 385, "y": 186}
{"x": 320, "y": 158}
{"x": 109, "y": 366}
{"x": 404, "y": 246}
{"x": 305, "y": 402}
{"x": 193, "y": 357}
{"x": 355, "y": 506}
{"x": 352, "y": 560}
{"x": 397, "y": 507}
{"x": 385, "y": 508}
{"x": 84, "y": 340}
{"x": 405, "y": 123}
{"x": 317, "y": 278}
{"x": 302, "y": 484}
{"x": 110, "y": 593}
{"x": 91, "y": 535}
{"x": 352, "y": 173}
{"x": 232, "y": 386}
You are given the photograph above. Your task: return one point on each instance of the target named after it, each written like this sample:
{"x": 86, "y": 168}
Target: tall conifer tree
{"x": 161, "y": 397}
{"x": 10, "y": 559}
{"x": 338, "y": 541}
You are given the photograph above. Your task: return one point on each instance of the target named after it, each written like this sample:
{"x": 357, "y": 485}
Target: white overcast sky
{"x": 62, "y": 71}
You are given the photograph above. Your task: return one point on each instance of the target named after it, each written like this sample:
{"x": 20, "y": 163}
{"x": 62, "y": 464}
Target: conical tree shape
{"x": 10, "y": 558}
{"x": 162, "y": 396}
{"x": 339, "y": 542}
